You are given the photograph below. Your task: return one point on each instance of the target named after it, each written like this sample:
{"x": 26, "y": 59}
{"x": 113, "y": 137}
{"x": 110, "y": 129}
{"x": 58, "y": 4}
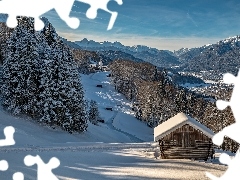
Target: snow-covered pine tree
{"x": 46, "y": 87}
{"x": 5, "y": 33}
{"x": 20, "y": 70}
{"x": 62, "y": 98}
{"x": 41, "y": 78}
{"x": 93, "y": 113}
{"x": 10, "y": 72}
{"x": 30, "y": 73}
{"x": 74, "y": 92}
{"x": 49, "y": 32}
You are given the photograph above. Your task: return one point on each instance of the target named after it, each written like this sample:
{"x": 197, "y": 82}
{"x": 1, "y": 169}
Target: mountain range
{"x": 160, "y": 58}
{"x": 221, "y": 57}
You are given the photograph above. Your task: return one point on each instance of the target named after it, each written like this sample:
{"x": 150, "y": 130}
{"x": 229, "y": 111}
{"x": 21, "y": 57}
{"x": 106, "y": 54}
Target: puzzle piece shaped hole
{"x": 44, "y": 169}
{"x": 18, "y": 176}
{"x": 113, "y": 6}
{"x": 3, "y": 165}
{"x": 9, "y": 139}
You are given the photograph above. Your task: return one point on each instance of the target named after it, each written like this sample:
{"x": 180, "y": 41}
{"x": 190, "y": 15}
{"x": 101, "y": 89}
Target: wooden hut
{"x": 182, "y": 137}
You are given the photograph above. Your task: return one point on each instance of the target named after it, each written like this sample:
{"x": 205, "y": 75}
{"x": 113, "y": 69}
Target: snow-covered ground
{"x": 189, "y": 85}
{"x": 121, "y": 119}
{"x": 120, "y": 148}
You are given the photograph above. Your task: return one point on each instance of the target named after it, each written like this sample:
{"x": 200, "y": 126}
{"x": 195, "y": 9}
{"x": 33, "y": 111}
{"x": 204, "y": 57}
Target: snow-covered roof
{"x": 177, "y": 121}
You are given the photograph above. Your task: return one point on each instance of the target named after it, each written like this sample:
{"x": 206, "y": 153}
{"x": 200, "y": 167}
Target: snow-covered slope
{"x": 108, "y": 97}
{"x": 121, "y": 148}
{"x": 35, "y": 134}
{"x": 122, "y": 115}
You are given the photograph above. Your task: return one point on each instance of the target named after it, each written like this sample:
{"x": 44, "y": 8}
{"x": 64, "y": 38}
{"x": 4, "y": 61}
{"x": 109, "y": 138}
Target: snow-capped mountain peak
{"x": 106, "y": 44}
{"x": 152, "y": 55}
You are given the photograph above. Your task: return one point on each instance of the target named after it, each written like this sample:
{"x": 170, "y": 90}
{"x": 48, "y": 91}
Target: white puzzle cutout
{"x": 8, "y": 141}
{"x": 3, "y": 165}
{"x": 231, "y": 131}
{"x": 18, "y": 176}
{"x": 233, "y": 172}
{"x": 44, "y": 170}
{"x": 36, "y": 8}
{"x": 101, "y": 4}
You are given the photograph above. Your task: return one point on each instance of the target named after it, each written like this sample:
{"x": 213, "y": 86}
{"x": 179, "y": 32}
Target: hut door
{"x": 192, "y": 139}
{"x": 185, "y": 139}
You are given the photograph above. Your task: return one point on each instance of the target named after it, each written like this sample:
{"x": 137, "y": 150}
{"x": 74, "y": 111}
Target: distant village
{"x": 97, "y": 67}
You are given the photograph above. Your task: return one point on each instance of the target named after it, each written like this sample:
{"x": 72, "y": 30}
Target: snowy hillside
{"x": 121, "y": 119}
{"x": 120, "y": 148}
{"x": 107, "y": 132}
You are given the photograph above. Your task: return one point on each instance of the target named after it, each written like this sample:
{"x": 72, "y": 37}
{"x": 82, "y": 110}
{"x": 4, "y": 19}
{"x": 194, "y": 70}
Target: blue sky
{"x": 164, "y": 24}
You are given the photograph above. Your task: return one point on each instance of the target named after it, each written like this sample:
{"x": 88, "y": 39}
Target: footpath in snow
{"x": 121, "y": 119}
